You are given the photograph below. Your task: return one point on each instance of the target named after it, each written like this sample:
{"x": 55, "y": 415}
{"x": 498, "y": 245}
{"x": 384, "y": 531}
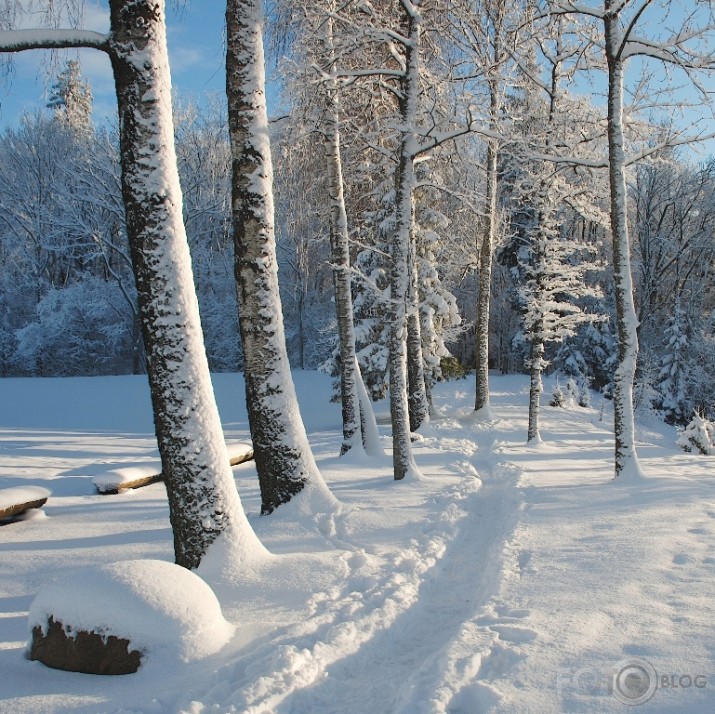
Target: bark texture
{"x": 203, "y": 501}
{"x": 283, "y": 458}
{"x": 536, "y": 366}
{"x": 626, "y": 458}
{"x": 486, "y": 252}
{"x": 400, "y": 272}
{"x": 418, "y": 400}
{"x": 340, "y": 258}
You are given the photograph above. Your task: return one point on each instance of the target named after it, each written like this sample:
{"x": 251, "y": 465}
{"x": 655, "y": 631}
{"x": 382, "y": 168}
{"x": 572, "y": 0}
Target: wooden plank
{"x": 15, "y": 501}
{"x": 107, "y": 489}
{"x": 240, "y": 453}
{"x": 107, "y": 486}
{"x": 20, "y": 508}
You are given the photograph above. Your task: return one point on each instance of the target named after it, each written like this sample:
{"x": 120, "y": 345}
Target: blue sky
{"x": 196, "y": 49}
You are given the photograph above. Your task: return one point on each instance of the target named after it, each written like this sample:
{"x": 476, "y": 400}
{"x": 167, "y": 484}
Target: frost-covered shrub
{"x": 558, "y": 398}
{"x": 572, "y": 392}
{"x": 584, "y": 397}
{"x": 698, "y": 436}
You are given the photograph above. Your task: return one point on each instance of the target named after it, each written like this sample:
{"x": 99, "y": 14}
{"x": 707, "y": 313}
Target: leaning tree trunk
{"x": 203, "y": 501}
{"x": 284, "y": 461}
{"x": 626, "y": 459}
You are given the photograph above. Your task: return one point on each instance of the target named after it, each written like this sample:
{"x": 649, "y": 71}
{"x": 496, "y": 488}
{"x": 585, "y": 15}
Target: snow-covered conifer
{"x": 698, "y": 436}
{"x": 673, "y": 376}
{"x": 71, "y": 98}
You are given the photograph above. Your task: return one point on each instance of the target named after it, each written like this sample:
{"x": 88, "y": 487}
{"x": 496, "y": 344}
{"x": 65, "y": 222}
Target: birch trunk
{"x": 400, "y": 272}
{"x": 626, "y": 459}
{"x": 536, "y": 388}
{"x": 284, "y": 461}
{"x": 481, "y": 403}
{"x": 418, "y": 402}
{"x": 203, "y": 502}
{"x": 340, "y": 257}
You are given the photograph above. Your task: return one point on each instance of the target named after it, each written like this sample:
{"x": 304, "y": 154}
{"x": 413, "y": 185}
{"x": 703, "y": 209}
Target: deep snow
{"x": 509, "y": 579}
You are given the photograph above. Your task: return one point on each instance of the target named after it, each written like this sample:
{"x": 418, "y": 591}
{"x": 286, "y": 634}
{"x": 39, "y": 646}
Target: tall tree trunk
{"x": 416, "y": 384}
{"x": 284, "y": 461}
{"x": 340, "y": 258}
{"x": 626, "y": 459}
{"x": 536, "y": 366}
{"x": 481, "y": 403}
{"x": 203, "y": 502}
{"x": 400, "y": 271}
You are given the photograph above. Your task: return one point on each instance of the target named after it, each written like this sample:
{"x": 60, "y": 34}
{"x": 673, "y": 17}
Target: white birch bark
{"x": 486, "y": 252}
{"x": 283, "y": 456}
{"x": 203, "y": 501}
{"x": 626, "y": 459}
{"x": 340, "y": 258}
{"x": 418, "y": 401}
{"x": 536, "y": 366}
{"x": 400, "y": 272}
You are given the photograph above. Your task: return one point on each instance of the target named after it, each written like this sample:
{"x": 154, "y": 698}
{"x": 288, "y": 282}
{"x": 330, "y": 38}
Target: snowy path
{"x": 510, "y": 579}
{"x": 392, "y": 640}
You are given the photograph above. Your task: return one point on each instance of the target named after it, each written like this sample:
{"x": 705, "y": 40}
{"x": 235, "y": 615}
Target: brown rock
{"x": 87, "y": 652}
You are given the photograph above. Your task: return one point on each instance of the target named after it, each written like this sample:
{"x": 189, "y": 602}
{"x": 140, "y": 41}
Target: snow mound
{"x": 154, "y": 604}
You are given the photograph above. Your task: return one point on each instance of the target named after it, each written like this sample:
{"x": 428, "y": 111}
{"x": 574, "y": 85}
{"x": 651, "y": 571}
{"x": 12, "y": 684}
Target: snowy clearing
{"x": 509, "y": 579}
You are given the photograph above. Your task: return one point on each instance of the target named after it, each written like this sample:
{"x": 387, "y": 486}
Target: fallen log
{"x": 137, "y": 476}
{"x": 15, "y": 501}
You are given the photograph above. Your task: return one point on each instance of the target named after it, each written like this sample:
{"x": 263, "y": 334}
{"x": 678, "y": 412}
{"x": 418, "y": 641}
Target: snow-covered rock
{"x": 153, "y": 605}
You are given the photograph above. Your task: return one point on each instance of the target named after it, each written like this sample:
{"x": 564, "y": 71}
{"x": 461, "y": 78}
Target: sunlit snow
{"x": 509, "y": 579}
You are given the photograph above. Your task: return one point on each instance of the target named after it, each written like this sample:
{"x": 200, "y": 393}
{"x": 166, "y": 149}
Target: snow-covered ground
{"x": 509, "y": 579}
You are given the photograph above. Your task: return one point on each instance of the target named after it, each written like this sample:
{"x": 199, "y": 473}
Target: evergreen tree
{"x": 71, "y": 98}
{"x": 673, "y": 375}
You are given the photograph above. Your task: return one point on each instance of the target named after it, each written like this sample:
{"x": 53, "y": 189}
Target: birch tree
{"x": 203, "y": 502}
{"x": 631, "y": 29}
{"x": 283, "y": 456}
{"x": 554, "y": 268}
{"x": 318, "y": 48}
{"x": 485, "y": 34}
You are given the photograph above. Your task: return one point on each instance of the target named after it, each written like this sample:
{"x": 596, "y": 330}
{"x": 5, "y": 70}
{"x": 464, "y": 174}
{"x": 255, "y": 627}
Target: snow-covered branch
{"x": 51, "y": 39}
